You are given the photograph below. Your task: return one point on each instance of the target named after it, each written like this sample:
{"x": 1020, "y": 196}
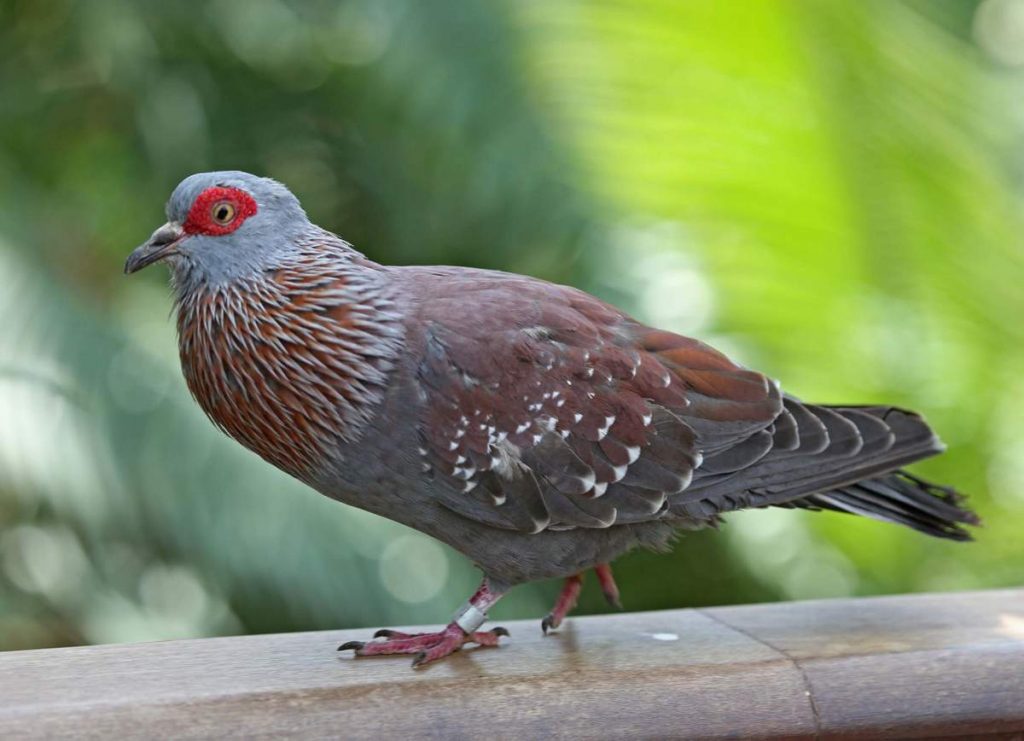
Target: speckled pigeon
{"x": 530, "y": 426}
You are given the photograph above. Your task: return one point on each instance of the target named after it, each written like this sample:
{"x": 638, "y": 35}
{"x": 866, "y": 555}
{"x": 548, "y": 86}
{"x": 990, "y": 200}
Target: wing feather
{"x": 543, "y": 407}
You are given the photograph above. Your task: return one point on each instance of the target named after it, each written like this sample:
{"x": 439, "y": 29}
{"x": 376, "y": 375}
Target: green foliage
{"x": 824, "y": 189}
{"x": 839, "y": 171}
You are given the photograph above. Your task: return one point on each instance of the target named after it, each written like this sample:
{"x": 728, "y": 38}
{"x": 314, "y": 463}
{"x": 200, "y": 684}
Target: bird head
{"x": 222, "y": 226}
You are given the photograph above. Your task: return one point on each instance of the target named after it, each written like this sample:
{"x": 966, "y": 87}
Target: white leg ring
{"x": 469, "y": 617}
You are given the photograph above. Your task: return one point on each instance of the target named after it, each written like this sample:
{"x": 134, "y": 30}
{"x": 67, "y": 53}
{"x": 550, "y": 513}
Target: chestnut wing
{"x": 543, "y": 407}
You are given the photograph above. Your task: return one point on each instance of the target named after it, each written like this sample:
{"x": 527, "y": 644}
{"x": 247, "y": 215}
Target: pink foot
{"x": 608, "y": 585}
{"x": 571, "y": 592}
{"x": 564, "y": 604}
{"x": 427, "y": 646}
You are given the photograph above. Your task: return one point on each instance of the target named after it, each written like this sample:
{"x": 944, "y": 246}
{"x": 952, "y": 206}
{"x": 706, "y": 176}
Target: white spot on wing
{"x": 464, "y": 473}
{"x": 505, "y": 461}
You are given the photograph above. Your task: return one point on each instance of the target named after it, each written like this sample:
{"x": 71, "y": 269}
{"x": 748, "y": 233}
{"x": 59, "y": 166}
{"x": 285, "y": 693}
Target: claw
{"x": 428, "y": 647}
{"x": 564, "y": 604}
{"x": 548, "y": 623}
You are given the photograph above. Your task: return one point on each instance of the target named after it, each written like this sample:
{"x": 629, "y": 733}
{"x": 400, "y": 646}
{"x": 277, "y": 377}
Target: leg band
{"x": 469, "y": 617}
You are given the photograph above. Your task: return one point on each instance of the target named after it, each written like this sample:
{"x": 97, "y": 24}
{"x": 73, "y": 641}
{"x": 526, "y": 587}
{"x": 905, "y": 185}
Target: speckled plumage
{"x": 531, "y": 426}
{"x": 294, "y": 362}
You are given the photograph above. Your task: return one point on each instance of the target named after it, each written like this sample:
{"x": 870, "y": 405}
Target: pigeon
{"x": 532, "y": 427}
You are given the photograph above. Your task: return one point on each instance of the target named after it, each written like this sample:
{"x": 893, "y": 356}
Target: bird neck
{"x": 296, "y": 361}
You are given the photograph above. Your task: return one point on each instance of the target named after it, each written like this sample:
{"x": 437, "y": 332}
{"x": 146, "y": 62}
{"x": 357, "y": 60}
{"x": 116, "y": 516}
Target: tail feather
{"x": 904, "y": 499}
{"x": 847, "y": 459}
{"x": 842, "y": 459}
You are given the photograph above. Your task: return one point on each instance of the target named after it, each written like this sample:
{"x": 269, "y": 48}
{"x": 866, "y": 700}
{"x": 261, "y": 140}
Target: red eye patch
{"x": 218, "y": 211}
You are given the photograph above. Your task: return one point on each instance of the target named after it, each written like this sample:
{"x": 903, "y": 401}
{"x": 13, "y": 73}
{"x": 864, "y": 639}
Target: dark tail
{"x": 847, "y": 459}
{"x": 904, "y": 499}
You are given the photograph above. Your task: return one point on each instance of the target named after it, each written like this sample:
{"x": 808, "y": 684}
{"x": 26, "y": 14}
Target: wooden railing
{"x": 916, "y": 666}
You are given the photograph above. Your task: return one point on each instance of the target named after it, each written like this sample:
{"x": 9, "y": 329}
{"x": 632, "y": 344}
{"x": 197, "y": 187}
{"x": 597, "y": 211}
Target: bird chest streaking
{"x": 534, "y": 428}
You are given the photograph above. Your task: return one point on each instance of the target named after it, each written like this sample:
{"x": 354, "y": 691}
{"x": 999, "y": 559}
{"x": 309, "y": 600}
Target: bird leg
{"x": 433, "y": 646}
{"x": 564, "y": 604}
{"x": 608, "y": 585}
{"x": 571, "y": 591}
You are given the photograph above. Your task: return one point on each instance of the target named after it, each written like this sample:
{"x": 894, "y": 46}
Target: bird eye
{"x": 222, "y": 212}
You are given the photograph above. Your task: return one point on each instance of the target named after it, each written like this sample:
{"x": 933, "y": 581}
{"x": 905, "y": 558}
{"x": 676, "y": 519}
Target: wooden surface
{"x": 921, "y": 666}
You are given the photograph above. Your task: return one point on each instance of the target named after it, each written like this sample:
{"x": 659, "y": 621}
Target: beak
{"x": 163, "y": 243}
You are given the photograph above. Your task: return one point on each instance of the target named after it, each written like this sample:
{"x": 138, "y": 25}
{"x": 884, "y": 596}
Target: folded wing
{"x": 546, "y": 408}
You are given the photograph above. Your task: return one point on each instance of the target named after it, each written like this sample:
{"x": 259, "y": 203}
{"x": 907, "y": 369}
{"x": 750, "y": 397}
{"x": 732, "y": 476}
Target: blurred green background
{"x": 829, "y": 191}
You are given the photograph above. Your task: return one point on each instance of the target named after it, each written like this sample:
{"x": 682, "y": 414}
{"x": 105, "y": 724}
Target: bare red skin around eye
{"x": 200, "y": 221}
